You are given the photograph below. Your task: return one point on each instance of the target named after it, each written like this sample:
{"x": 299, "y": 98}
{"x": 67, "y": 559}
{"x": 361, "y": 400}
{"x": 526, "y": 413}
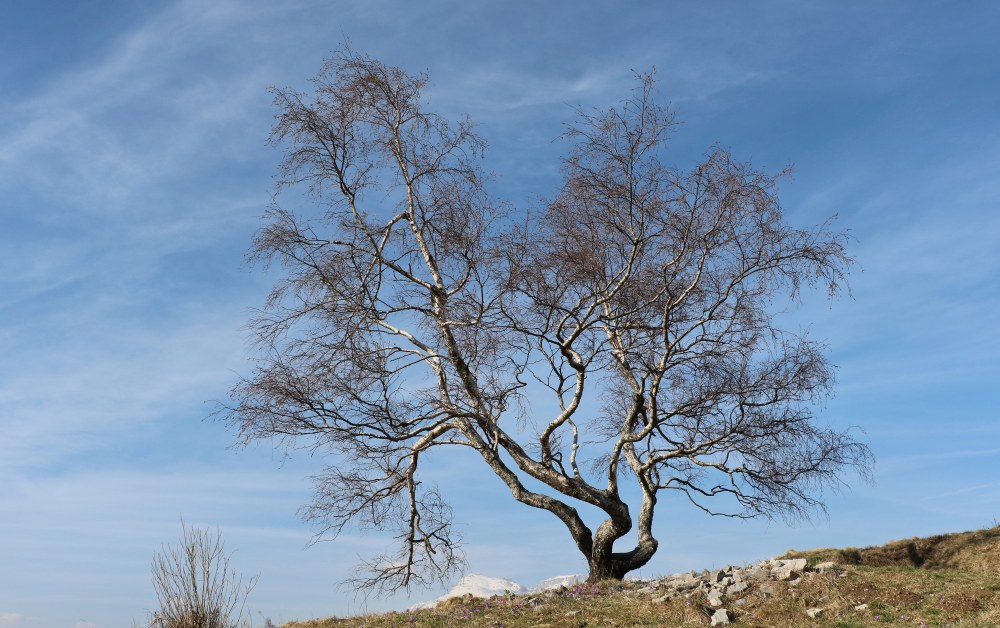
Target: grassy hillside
{"x": 975, "y": 552}
{"x": 944, "y": 580}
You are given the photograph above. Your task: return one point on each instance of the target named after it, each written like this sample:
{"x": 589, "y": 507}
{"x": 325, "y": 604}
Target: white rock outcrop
{"x": 718, "y": 588}
{"x": 476, "y": 585}
{"x": 557, "y": 582}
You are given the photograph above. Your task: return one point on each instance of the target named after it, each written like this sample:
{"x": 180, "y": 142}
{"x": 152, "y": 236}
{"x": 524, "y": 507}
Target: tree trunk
{"x": 615, "y": 566}
{"x": 603, "y": 563}
{"x": 606, "y": 568}
{"x": 602, "y": 570}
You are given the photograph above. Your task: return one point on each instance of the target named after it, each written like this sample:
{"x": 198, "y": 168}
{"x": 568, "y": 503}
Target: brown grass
{"x": 956, "y": 584}
{"x": 977, "y": 552}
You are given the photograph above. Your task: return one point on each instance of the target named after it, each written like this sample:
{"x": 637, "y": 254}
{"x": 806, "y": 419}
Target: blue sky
{"x": 134, "y": 171}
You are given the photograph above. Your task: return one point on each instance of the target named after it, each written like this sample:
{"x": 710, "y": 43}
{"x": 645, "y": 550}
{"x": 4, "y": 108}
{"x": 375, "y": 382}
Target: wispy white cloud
{"x": 133, "y": 177}
{"x": 74, "y": 396}
{"x": 978, "y": 490}
{"x": 121, "y": 179}
{"x": 18, "y": 620}
{"x": 105, "y": 138}
{"x": 923, "y": 457}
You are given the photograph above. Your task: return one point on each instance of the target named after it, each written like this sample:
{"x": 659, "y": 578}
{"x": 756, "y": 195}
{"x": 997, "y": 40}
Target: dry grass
{"x": 615, "y": 603}
{"x": 977, "y": 552}
{"x": 956, "y": 584}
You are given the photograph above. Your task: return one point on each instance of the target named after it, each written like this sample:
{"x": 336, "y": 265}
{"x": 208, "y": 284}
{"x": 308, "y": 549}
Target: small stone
{"x": 740, "y": 602}
{"x": 826, "y": 566}
{"x": 788, "y": 569}
{"x": 736, "y": 588}
{"x": 861, "y": 607}
{"x": 662, "y": 599}
{"x": 720, "y": 617}
{"x": 571, "y": 613}
{"x": 719, "y": 576}
{"x": 814, "y": 612}
{"x": 714, "y": 598}
{"x": 796, "y": 564}
{"x": 769, "y": 588}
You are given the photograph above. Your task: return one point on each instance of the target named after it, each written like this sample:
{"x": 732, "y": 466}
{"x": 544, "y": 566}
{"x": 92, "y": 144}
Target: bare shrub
{"x": 195, "y": 585}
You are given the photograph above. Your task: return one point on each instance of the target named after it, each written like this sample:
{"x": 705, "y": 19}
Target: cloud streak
{"x": 133, "y": 175}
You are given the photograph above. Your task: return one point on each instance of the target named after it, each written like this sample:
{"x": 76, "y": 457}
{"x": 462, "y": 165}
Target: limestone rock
{"x": 736, "y": 588}
{"x": 558, "y": 582}
{"x": 788, "y": 569}
{"x": 798, "y": 565}
{"x": 769, "y": 588}
{"x": 720, "y": 617}
{"x": 814, "y": 612}
{"x": 767, "y": 577}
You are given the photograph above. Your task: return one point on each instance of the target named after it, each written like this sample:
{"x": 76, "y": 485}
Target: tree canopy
{"x": 418, "y": 313}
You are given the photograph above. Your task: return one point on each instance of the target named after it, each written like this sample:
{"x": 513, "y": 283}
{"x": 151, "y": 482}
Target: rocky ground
{"x": 728, "y": 588}
{"x": 947, "y": 580}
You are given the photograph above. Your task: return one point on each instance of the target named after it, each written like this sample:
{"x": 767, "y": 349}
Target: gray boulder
{"x": 736, "y": 588}
{"x": 720, "y": 617}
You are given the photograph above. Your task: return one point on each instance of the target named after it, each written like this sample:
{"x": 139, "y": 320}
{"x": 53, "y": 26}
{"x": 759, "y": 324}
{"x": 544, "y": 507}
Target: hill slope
{"x": 943, "y": 580}
{"x": 975, "y": 552}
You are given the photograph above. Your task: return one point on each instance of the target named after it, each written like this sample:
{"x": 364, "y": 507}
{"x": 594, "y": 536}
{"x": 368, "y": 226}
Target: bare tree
{"x": 196, "y": 587}
{"x": 415, "y": 314}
